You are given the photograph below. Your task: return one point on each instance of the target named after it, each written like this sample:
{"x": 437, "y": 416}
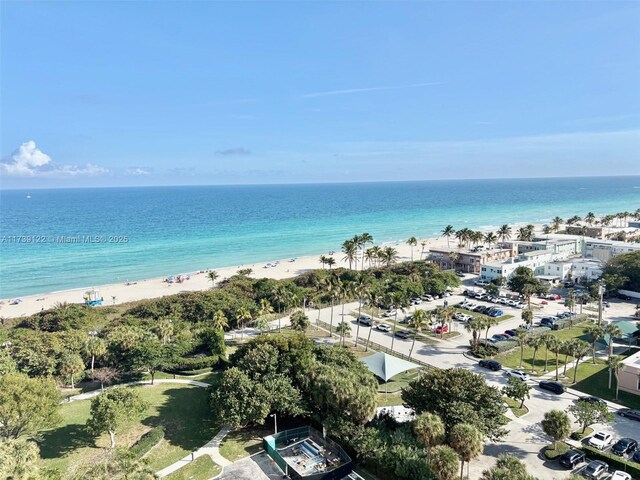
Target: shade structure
{"x": 386, "y": 366}
{"x": 628, "y": 329}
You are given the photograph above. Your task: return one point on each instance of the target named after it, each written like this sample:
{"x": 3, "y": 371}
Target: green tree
{"x": 105, "y": 375}
{"x": 527, "y": 316}
{"x": 95, "y": 347}
{"x": 429, "y": 430}
{"x": 412, "y": 242}
{"x": 344, "y": 329}
{"x": 595, "y": 333}
{"x": 612, "y": 331}
{"x": 7, "y": 363}
{"x": 19, "y": 459}
{"x": 579, "y": 350}
{"x": 444, "y": 462}
{"x": 27, "y": 405}
{"x": 521, "y": 338}
{"x": 504, "y": 232}
{"x": 588, "y": 413}
{"x": 70, "y": 365}
{"x": 467, "y": 441}
{"x": 457, "y": 395}
{"x": 164, "y": 329}
{"x": 418, "y": 322}
{"x": 557, "y": 425}
{"x": 623, "y": 271}
{"x": 111, "y": 409}
{"x": 535, "y": 342}
{"x": 517, "y": 390}
{"x": 549, "y": 341}
{"x": 614, "y": 365}
{"x": 219, "y": 321}
{"x": 115, "y": 464}
{"x": 243, "y": 316}
{"x": 150, "y": 355}
{"x": 448, "y": 232}
{"x": 239, "y": 400}
{"x": 212, "y": 276}
{"x": 507, "y": 467}
{"x": 299, "y": 321}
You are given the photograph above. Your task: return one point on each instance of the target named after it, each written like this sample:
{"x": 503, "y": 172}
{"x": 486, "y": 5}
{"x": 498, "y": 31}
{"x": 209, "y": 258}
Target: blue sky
{"x": 152, "y": 93}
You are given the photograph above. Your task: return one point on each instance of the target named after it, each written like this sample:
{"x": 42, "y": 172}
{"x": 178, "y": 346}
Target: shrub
{"x": 579, "y": 435}
{"x": 147, "y": 442}
{"x": 488, "y": 349}
{"x": 614, "y": 462}
{"x": 197, "y": 363}
{"x": 552, "y": 453}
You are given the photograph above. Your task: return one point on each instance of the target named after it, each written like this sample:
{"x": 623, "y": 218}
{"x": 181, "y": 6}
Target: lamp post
{"x": 275, "y": 422}
{"x": 601, "y": 290}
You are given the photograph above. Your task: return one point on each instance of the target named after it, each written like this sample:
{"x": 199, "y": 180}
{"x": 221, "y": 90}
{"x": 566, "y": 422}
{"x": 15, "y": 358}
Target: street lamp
{"x": 601, "y": 290}
{"x": 275, "y": 422}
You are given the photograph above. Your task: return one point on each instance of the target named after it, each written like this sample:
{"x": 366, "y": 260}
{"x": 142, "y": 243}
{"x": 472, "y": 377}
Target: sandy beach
{"x": 114, "y": 294}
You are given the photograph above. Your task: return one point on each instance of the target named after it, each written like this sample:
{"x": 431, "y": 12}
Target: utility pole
{"x": 601, "y": 291}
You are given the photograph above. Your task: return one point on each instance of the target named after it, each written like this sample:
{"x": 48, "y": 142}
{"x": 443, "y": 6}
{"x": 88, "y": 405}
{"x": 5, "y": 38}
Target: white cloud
{"x": 367, "y": 89}
{"x": 29, "y": 161}
{"x": 136, "y": 171}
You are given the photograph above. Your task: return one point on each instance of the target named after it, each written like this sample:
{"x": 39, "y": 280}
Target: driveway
{"x": 257, "y": 467}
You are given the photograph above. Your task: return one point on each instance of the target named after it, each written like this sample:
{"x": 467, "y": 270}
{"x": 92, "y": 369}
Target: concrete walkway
{"x": 212, "y": 448}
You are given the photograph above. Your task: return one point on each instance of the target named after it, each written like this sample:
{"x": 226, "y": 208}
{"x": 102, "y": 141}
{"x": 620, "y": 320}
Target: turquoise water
{"x": 180, "y": 229}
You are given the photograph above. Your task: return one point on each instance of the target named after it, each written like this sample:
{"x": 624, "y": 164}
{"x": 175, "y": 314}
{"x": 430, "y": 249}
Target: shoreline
{"x": 156, "y": 287}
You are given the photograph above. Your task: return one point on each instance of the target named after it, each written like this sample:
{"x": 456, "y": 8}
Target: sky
{"x": 178, "y": 93}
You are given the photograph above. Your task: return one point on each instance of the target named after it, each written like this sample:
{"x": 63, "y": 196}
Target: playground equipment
{"x": 92, "y": 298}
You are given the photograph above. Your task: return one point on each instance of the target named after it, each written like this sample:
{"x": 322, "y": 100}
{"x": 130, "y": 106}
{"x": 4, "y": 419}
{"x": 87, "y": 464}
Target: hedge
{"x": 612, "y": 460}
{"x": 551, "y": 453}
{"x": 197, "y": 363}
{"x": 488, "y": 349}
{"x": 188, "y": 372}
{"x": 147, "y": 442}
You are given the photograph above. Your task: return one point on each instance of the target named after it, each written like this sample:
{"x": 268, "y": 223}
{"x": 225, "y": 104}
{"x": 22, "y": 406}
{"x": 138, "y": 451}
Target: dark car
{"x": 490, "y": 364}
{"x": 511, "y": 332}
{"x": 636, "y": 456}
{"x": 572, "y": 458}
{"x": 595, "y": 470}
{"x": 555, "y": 387}
{"x": 403, "y": 334}
{"x": 627, "y": 412}
{"x": 624, "y": 446}
{"x": 591, "y": 399}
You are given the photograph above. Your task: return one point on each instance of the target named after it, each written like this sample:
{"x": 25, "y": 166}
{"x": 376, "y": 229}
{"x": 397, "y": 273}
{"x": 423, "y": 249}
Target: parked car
{"x": 390, "y": 313}
{"x": 460, "y": 274}
{"x": 365, "y": 320}
{"x": 499, "y": 337}
{"x": 404, "y": 334}
{"x": 591, "y": 399}
{"x": 620, "y": 475}
{"x": 624, "y": 446}
{"x": 495, "y": 313}
{"x": 481, "y": 283}
{"x": 555, "y": 387}
{"x": 572, "y": 458}
{"x": 383, "y": 327}
{"x": 627, "y": 412}
{"x": 427, "y": 298}
{"x": 416, "y": 301}
{"x": 553, "y": 296}
{"x": 595, "y": 470}
{"x": 441, "y": 329}
{"x": 600, "y": 440}
{"x": 490, "y": 364}
{"x": 636, "y": 456}
{"x": 512, "y": 332}
{"x": 519, "y": 374}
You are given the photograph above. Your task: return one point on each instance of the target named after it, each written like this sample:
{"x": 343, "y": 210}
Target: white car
{"x": 600, "y": 440}
{"x": 481, "y": 283}
{"x": 383, "y": 327}
{"x": 519, "y": 374}
{"x": 389, "y": 313}
{"x": 619, "y": 475}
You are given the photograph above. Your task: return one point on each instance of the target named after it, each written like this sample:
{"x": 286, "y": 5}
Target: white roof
{"x": 387, "y": 366}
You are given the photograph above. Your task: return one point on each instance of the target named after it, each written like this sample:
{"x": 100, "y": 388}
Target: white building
{"x": 605, "y": 250}
{"x": 586, "y": 269}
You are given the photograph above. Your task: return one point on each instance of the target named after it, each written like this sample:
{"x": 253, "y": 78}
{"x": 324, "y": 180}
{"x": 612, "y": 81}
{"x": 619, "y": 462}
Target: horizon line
{"x": 313, "y": 183}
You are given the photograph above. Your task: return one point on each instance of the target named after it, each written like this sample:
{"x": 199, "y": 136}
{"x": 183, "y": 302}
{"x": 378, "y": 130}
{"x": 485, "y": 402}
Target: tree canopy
{"x": 623, "y": 271}
{"x": 112, "y": 408}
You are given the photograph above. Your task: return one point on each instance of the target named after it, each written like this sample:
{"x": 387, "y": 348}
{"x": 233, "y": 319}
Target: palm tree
{"x": 556, "y": 346}
{"x": 475, "y": 326}
{"x": 280, "y": 295}
{"x": 490, "y": 238}
{"x": 566, "y": 348}
{"x": 443, "y": 462}
{"x": 370, "y": 255}
{"x": 596, "y": 333}
{"x": 219, "y": 321}
{"x": 164, "y": 330}
{"x": 589, "y": 218}
{"x": 453, "y": 258}
{"x": 535, "y": 342}
{"x": 419, "y": 322}
{"x": 615, "y": 364}
{"x": 344, "y": 329}
{"x": 444, "y": 316}
{"x": 362, "y": 290}
{"x": 243, "y": 316}
{"x": 521, "y": 339}
{"x": 504, "y": 232}
{"x": 412, "y": 242}
{"x": 547, "y": 229}
{"x": 331, "y": 262}
{"x": 548, "y": 340}
{"x": 94, "y": 347}
{"x": 580, "y": 349}
{"x": 265, "y": 310}
{"x": 524, "y": 234}
{"x": 556, "y": 223}
{"x": 350, "y": 250}
{"x": 330, "y": 288}
{"x": 213, "y": 276}
{"x": 448, "y": 232}
{"x": 467, "y": 441}
{"x": 390, "y": 256}
{"x": 613, "y": 331}
{"x": 323, "y": 260}
{"x": 429, "y": 430}
{"x": 488, "y": 323}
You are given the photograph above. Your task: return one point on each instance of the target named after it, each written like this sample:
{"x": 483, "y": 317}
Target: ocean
{"x": 71, "y": 238}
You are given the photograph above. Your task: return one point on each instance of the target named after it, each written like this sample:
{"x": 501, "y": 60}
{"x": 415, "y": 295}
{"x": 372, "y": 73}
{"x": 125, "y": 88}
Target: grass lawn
{"x": 395, "y": 384}
{"x": 514, "y": 405}
{"x": 389, "y": 399}
{"x": 594, "y": 380}
{"x": 202, "y": 468}
{"x": 511, "y": 359}
{"x": 242, "y": 443}
{"x": 183, "y": 410}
